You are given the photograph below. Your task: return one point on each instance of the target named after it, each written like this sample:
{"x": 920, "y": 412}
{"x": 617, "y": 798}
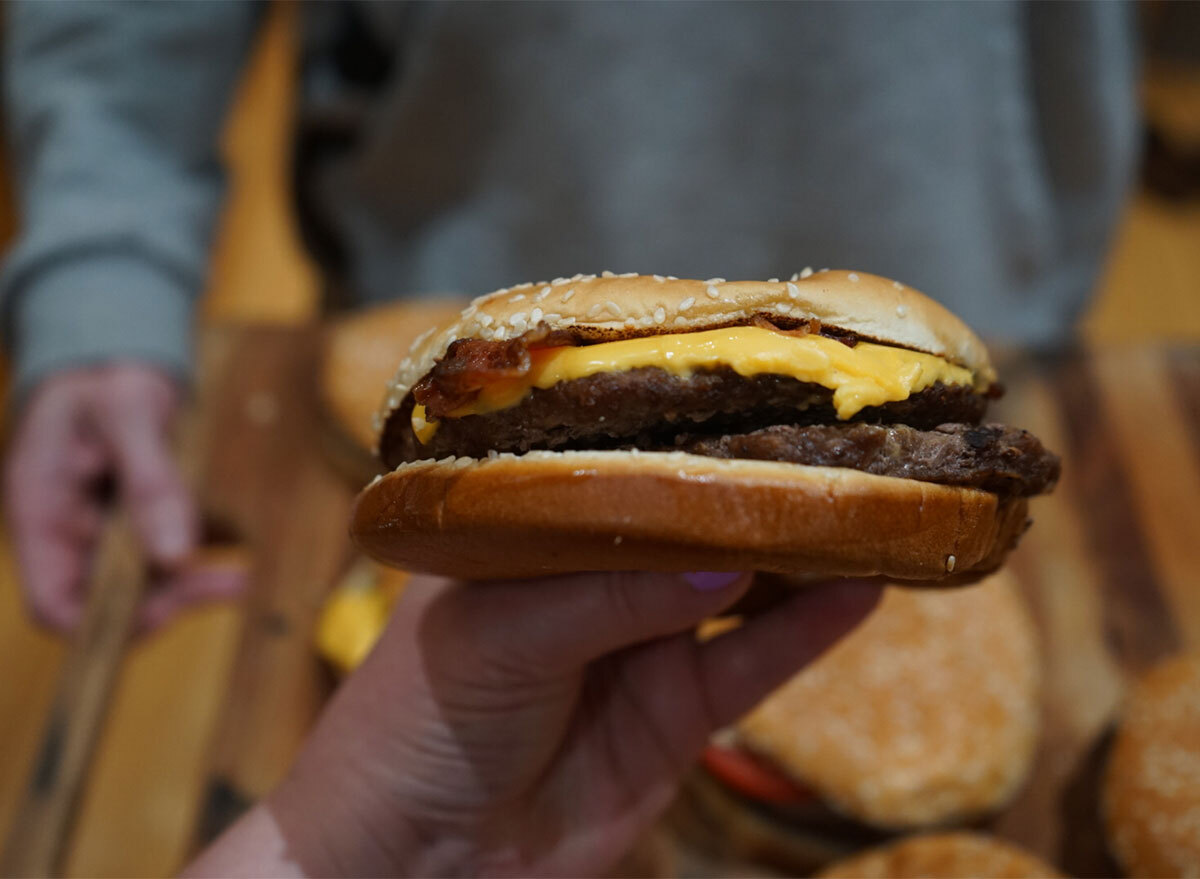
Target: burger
{"x": 1151, "y": 800}
{"x": 926, "y": 716}
{"x": 829, "y": 425}
{"x": 944, "y": 856}
{"x": 359, "y": 353}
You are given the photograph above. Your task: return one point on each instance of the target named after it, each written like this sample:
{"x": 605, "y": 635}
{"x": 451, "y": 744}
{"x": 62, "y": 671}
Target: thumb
{"x": 158, "y": 502}
{"x": 557, "y": 625}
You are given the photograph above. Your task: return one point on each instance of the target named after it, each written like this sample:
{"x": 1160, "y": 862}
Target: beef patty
{"x": 650, "y": 406}
{"x": 933, "y": 436}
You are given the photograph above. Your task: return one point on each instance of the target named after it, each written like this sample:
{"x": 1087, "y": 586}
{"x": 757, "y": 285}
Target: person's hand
{"x": 525, "y": 728}
{"x": 82, "y": 434}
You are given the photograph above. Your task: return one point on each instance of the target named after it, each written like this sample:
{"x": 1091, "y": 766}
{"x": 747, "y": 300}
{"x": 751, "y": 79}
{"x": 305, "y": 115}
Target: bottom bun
{"x": 944, "y": 856}
{"x": 559, "y": 512}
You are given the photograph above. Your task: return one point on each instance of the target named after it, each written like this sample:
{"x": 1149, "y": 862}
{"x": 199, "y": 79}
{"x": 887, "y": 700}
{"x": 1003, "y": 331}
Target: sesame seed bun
{"x": 557, "y": 512}
{"x": 612, "y": 307}
{"x": 359, "y": 353}
{"x": 1151, "y": 800}
{"x": 925, "y": 715}
{"x": 944, "y": 856}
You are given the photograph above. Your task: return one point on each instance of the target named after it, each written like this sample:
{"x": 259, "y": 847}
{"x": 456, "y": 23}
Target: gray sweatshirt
{"x": 978, "y": 151}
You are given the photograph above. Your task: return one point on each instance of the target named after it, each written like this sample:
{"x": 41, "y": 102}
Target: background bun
{"x": 925, "y": 715}
{"x": 1152, "y": 787}
{"x": 943, "y": 856}
{"x": 620, "y": 306}
{"x": 557, "y": 512}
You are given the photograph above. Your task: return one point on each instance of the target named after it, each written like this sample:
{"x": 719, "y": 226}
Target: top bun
{"x": 959, "y": 855}
{"x": 610, "y": 307}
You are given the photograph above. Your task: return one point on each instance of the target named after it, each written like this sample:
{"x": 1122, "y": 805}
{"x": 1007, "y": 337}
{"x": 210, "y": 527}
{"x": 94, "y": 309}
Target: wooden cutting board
{"x": 1109, "y": 566}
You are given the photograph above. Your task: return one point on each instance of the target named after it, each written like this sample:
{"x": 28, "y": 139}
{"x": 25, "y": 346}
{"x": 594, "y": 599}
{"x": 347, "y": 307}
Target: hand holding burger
{"x": 524, "y": 727}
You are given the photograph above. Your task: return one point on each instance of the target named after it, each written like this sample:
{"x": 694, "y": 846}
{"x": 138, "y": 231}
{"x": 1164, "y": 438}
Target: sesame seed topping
{"x": 852, "y": 276}
{"x": 487, "y": 332}
{"x": 594, "y": 311}
{"x": 607, "y": 274}
{"x": 545, "y": 292}
{"x": 659, "y": 278}
{"x": 520, "y": 326}
{"x": 517, "y": 298}
{"x": 486, "y": 320}
{"x": 558, "y": 281}
{"x": 715, "y": 281}
{"x": 630, "y": 322}
{"x": 553, "y": 317}
{"x": 680, "y": 321}
{"x": 825, "y": 269}
{"x": 660, "y": 315}
{"x": 566, "y": 296}
{"x": 672, "y": 278}
{"x": 628, "y": 275}
{"x": 795, "y": 276}
{"x": 645, "y": 320}
{"x": 897, "y": 285}
{"x": 568, "y": 321}
{"x": 950, "y": 560}
{"x": 712, "y": 291}
{"x": 772, "y": 280}
{"x": 806, "y": 272}
{"x": 535, "y": 315}
{"x": 793, "y": 291}
{"x": 687, "y": 303}
{"x": 501, "y": 332}
{"x": 613, "y": 308}
{"x": 901, "y": 310}
{"x": 517, "y": 318}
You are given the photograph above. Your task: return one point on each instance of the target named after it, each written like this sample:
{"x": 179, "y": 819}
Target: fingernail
{"x": 708, "y": 581}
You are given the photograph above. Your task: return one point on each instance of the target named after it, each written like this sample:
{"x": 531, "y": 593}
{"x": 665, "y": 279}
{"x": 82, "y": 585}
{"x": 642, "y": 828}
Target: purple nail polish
{"x": 707, "y": 581}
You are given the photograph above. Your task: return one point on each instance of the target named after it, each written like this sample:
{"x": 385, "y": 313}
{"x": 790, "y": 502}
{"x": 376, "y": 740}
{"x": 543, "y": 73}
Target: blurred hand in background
{"x": 84, "y": 439}
{"x": 525, "y": 727}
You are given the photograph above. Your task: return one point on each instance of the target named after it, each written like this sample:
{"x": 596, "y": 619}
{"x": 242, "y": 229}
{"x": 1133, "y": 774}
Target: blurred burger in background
{"x": 958, "y": 855}
{"x": 924, "y": 717}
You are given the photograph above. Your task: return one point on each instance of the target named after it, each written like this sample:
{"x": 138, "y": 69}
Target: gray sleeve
{"x": 113, "y": 112}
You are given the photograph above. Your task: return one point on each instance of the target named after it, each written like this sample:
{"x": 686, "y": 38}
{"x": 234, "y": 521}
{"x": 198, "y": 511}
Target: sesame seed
{"x": 588, "y": 278}
{"x": 950, "y": 560}
{"x": 535, "y": 315}
{"x": 825, "y": 269}
{"x": 501, "y": 332}
{"x": 806, "y": 272}
{"x": 645, "y": 321}
{"x": 795, "y": 276}
{"x": 470, "y": 310}
{"x": 519, "y": 317}
{"x": 852, "y": 276}
{"x": 558, "y": 281}
{"x": 659, "y": 278}
{"x": 660, "y": 315}
{"x": 613, "y": 308}
{"x": 772, "y": 280}
{"x": 672, "y": 278}
{"x": 487, "y": 333}
{"x": 594, "y": 311}
{"x": 897, "y": 285}
{"x": 566, "y": 296}
{"x": 901, "y": 311}
{"x": 715, "y": 281}
{"x": 793, "y": 291}
{"x": 577, "y": 276}
{"x": 486, "y": 320}
{"x": 628, "y": 275}
{"x": 517, "y": 298}
{"x": 712, "y": 291}
{"x": 519, "y": 326}
{"x": 569, "y": 321}
{"x": 680, "y": 321}
{"x": 687, "y": 303}
{"x": 617, "y": 540}
{"x": 783, "y": 308}
{"x": 607, "y": 274}
{"x": 545, "y": 292}
{"x": 552, "y": 317}
{"x": 630, "y": 322}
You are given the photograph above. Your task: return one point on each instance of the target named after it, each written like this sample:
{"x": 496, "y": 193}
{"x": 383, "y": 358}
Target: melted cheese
{"x": 865, "y": 375}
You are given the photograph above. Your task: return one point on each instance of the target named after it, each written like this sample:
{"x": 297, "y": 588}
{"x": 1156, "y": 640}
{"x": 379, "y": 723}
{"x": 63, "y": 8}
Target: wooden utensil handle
{"x": 37, "y": 842}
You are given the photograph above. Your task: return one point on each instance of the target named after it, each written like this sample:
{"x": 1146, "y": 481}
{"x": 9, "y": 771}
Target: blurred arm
{"x": 113, "y": 115}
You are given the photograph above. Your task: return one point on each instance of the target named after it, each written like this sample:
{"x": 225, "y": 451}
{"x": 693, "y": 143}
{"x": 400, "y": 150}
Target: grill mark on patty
{"x": 649, "y": 406}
